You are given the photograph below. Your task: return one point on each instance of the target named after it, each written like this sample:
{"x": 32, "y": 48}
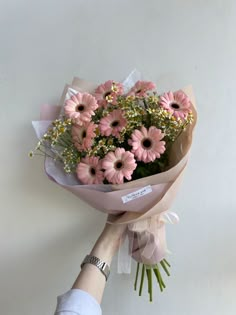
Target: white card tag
{"x": 137, "y": 194}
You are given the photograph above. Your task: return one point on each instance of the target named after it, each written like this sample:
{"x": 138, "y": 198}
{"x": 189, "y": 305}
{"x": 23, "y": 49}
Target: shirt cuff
{"x": 79, "y": 302}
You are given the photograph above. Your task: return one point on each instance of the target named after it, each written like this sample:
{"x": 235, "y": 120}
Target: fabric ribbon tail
{"x": 124, "y": 257}
{"x": 170, "y": 217}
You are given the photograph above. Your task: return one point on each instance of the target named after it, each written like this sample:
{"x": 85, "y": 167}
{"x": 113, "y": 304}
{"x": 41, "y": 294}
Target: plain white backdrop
{"x": 45, "y": 231}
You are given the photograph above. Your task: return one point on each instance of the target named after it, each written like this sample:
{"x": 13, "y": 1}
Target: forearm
{"x": 90, "y": 278}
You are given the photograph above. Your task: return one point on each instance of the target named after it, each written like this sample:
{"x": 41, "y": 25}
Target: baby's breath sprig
{"x": 153, "y": 100}
{"x": 71, "y": 158}
{"x": 166, "y": 121}
{"x": 58, "y": 133}
{"x": 133, "y": 113}
{"x": 102, "y": 145}
{"x": 58, "y": 141}
{"x": 183, "y": 125}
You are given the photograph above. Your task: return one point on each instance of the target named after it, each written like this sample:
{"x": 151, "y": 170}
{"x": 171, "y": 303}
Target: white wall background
{"x": 46, "y": 231}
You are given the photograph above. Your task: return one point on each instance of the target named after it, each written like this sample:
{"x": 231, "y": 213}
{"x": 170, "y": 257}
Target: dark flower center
{"x": 175, "y": 106}
{"x": 147, "y": 143}
{"x": 84, "y": 134}
{"x": 106, "y": 94}
{"x": 80, "y": 108}
{"x": 92, "y": 171}
{"x": 115, "y": 123}
{"x": 118, "y": 165}
{"x": 138, "y": 91}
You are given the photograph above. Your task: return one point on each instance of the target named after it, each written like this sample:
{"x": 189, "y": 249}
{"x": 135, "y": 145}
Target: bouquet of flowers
{"x": 122, "y": 148}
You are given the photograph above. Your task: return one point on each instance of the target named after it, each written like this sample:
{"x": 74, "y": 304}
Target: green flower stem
{"x": 165, "y": 261}
{"x": 59, "y": 144}
{"x": 158, "y": 278}
{"x": 164, "y": 267}
{"x": 63, "y": 142}
{"x": 44, "y": 153}
{"x": 150, "y": 285}
{"x": 145, "y": 103}
{"x": 149, "y": 276}
{"x": 142, "y": 280}
{"x": 136, "y": 277}
{"x": 161, "y": 279}
{"x": 67, "y": 138}
{"x": 147, "y": 272}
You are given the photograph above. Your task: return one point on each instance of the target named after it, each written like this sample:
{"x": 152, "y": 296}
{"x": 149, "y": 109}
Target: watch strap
{"x": 101, "y": 265}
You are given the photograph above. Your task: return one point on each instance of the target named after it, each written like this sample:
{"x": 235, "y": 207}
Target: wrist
{"x": 104, "y": 249}
{"x": 109, "y": 242}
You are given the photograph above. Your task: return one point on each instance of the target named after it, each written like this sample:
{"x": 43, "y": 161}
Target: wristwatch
{"x": 101, "y": 265}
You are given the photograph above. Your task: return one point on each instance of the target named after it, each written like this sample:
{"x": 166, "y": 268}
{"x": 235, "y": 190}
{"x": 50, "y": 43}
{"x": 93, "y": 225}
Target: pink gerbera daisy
{"x": 89, "y": 171}
{"x": 108, "y": 92}
{"x": 113, "y": 123}
{"x": 176, "y": 103}
{"x": 83, "y": 135}
{"x": 117, "y": 165}
{"x": 80, "y": 107}
{"x": 147, "y": 144}
{"x": 141, "y": 87}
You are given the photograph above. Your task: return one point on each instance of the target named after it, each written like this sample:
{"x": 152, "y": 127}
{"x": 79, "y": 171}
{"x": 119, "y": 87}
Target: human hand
{"x": 90, "y": 278}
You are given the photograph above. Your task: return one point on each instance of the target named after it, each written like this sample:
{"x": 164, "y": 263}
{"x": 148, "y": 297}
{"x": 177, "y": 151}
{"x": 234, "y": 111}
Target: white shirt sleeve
{"x": 77, "y": 302}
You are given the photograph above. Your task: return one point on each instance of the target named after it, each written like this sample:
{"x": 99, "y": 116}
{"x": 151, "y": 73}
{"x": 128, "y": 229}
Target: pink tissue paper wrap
{"x": 146, "y": 216}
